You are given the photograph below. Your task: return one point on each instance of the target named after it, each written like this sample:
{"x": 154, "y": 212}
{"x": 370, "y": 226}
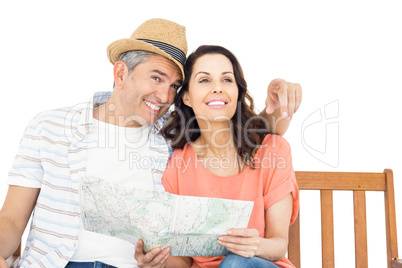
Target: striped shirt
{"x": 52, "y": 156}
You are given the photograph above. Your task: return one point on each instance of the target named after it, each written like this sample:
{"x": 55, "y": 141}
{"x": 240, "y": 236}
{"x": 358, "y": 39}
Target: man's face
{"x": 150, "y": 89}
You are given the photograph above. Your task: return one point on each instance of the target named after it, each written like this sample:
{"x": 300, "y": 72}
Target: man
{"x": 103, "y": 138}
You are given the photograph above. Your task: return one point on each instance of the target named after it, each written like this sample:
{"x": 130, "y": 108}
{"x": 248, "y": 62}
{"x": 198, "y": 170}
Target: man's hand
{"x": 284, "y": 95}
{"x": 155, "y": 258}
{"x": 243, "y": 242}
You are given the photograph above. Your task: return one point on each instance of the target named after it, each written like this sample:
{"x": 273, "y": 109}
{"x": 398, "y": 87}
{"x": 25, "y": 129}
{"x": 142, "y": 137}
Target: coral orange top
{"x": 272, "y": 180}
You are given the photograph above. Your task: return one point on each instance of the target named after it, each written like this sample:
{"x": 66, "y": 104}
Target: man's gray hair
{"x": 134, "y": 57}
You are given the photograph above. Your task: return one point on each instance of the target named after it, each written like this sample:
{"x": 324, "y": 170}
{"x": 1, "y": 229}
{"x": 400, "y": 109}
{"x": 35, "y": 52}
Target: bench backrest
{"x": 326, "y": 183}
{"x": 359, "y": 183}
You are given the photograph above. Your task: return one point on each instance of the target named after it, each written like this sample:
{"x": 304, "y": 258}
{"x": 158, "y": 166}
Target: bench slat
{"x": 294, "y": 243}
{"x": 390, "y": 218}
{"x": 359, "y": 207}
{"x": 327, "y": 229}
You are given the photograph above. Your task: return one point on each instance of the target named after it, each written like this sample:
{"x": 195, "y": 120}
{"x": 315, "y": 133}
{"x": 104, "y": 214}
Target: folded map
{"x": 190, "y": 225}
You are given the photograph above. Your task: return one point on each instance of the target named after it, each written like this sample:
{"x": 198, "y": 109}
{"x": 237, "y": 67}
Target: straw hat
{"x": 160, "y": 36}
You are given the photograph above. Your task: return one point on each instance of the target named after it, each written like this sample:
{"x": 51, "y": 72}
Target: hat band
{"x": 176, "y": 53}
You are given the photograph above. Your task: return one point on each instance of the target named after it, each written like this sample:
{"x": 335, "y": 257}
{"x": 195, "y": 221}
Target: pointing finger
{"x": 298, "y": 97}
{"x": 283, "y": 98}
{"x": 291, "y": 100}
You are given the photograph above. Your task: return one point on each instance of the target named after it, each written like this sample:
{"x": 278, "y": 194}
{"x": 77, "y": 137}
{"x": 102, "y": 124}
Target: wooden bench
{"x": 359, "y": 183}
{"x": 326, "y": 183}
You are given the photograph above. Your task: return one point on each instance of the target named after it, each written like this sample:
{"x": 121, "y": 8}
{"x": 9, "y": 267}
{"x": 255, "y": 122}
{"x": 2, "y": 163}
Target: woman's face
{"x": 213, "y": 89}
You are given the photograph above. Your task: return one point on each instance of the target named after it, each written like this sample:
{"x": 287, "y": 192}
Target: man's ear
{"x": 119, "y": 70}
{"x": 186, "y": 99}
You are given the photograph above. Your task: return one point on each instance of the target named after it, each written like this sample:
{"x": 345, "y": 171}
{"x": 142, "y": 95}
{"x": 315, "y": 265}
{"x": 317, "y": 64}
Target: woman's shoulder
{"x": 273, "y": 142}
{"x": 274, "y": 138}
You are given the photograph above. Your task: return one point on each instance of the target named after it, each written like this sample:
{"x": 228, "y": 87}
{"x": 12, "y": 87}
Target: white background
{"x": 346, "y": 55}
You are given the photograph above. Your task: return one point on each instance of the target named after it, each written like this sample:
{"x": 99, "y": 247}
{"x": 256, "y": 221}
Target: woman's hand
{"x": 273, "y": 247}
{"x": 243, "y": 242}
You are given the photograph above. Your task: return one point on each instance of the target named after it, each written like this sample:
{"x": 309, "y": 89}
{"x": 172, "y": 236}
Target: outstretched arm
{"x": 283, "y": 100}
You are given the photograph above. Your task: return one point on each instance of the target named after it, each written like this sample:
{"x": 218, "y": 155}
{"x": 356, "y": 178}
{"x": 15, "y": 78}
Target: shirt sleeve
{"x": 281, "y": 178}
{"x": 27, "y": 170}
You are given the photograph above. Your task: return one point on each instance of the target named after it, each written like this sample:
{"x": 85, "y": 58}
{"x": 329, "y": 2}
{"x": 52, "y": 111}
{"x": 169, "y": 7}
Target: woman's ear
{"x": 186, "y": 99}
{"x": 119, "y": 69}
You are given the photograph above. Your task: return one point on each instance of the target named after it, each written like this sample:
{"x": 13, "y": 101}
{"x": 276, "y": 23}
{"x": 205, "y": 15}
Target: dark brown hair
{"x": 248, "y": 128}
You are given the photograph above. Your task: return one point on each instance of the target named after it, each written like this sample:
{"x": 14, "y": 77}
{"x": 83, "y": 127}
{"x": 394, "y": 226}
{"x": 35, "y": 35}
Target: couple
{"x": 59, "y": 146}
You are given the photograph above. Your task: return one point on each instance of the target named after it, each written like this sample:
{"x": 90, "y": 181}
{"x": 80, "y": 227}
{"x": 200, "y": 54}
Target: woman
{"x": 224, "y": 150}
